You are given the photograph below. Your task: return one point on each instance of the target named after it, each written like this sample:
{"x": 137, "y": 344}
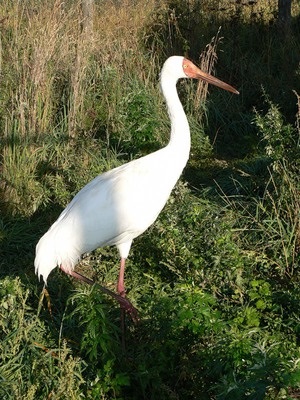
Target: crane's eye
{"x": 185, "y": 66}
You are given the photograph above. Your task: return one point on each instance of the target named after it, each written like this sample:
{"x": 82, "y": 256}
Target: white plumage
{"x": 119, "y": 205}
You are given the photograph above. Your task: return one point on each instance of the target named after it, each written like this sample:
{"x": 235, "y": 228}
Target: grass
{"x": 216, "y": 278}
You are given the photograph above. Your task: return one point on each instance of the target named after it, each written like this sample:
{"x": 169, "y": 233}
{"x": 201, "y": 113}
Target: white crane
{"x": 120, "y": 204}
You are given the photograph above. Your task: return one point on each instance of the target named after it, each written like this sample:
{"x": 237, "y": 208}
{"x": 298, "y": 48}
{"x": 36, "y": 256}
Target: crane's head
{"x": 192, "y": 71}
{"x": 180, "y": 67}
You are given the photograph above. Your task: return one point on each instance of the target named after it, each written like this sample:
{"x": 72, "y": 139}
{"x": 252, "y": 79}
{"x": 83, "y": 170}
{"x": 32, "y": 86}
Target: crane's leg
{"x": 122, "y": 293}
{"x": 121, "y": 286}
{"x": 125, "y": 304}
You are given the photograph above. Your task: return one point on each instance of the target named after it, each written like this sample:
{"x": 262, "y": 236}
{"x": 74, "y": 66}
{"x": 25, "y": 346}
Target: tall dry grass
{"x": 48, "y": 61}
{"x": 60, "y": 79}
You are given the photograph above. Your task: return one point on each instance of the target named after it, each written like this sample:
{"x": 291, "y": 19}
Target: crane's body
{"x": 81, "y": 228}
{"x": 119, "y": 205}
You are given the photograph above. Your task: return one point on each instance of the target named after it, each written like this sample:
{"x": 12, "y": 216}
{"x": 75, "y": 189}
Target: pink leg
{"x": 121, "y": 286}
{"x": 122, "y": 292}
{"x": 125, "y": 304}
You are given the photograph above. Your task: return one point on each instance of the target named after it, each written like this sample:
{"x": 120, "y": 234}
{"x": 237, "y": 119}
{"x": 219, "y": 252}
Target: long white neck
{"x": 180, "y": 141}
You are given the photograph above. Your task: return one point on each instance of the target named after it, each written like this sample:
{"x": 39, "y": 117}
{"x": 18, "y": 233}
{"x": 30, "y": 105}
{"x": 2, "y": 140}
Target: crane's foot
{"x": 125, "y": 304}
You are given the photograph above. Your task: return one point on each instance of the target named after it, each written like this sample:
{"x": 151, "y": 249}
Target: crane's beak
{"x": 192, "y": 71}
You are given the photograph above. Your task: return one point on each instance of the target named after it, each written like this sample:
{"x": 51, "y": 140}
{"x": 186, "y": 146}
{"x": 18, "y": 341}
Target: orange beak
{"x": 192, "y": 71}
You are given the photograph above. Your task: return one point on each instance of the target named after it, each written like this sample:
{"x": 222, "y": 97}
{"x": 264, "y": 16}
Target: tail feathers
{"x": 49, "y": 255}
{"x": 45, "y": 260}
{"x": 43, "y": 271}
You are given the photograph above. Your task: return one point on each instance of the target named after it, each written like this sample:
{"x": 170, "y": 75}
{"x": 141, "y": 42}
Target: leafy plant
{"x": 281, "y": 140}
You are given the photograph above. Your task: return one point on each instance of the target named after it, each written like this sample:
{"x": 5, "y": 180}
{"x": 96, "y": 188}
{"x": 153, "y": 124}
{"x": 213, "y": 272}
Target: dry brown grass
{"x": 45, "y": 54}
{"x": 208, "y": 59}
{"x": 57, "y": 77}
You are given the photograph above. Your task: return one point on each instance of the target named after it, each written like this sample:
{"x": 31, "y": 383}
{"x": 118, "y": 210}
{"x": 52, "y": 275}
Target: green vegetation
{"x": 216, "y": 279}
